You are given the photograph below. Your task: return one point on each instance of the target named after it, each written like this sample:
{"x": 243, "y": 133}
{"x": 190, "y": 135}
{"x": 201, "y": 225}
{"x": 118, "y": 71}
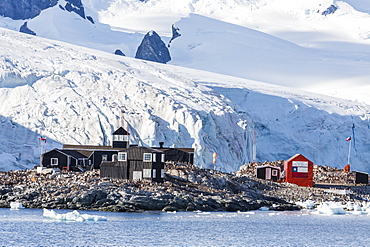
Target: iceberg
{"x": 309, "y": 204}
{"x": 16, "y": 205}
{"x": 331, "y": 208}
{"x": 72, "y": 216}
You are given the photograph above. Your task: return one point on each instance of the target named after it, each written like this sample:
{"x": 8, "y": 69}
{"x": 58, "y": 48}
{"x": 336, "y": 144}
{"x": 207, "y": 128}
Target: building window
{"x": 154, "y": 173}
{"x": 162, "y": 173}
{"x": 163, "y": 158}
{"x": 54, "y": 161}
{"x": 147, "y": 157}
{"x": 154, "y": 157}
{"x": 114, "y": 157}
{"x": 122, "y": 156}
{"x": 120, "y": 138}
{"x": 104, "y": 157}
{"x": 274, "y": 173}
{"x": 147, "y": 173}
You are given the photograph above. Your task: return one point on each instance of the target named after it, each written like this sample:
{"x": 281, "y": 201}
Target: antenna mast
{"x": 123, "y": 117}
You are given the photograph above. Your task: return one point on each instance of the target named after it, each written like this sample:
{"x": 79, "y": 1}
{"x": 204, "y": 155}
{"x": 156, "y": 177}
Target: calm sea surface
{"x": 28, "y": 227}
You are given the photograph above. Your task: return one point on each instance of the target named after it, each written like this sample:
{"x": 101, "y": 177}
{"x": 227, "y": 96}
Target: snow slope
{"x": 73, "y": 95}
{"x": 55, "y": 23}
{"x": 333, "y": 56}
{"x": 283, "y": 42}
{"x": 247, "y": 53}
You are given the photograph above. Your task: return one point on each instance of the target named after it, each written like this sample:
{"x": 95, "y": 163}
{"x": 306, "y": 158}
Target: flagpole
{"x": 349, "y": 151}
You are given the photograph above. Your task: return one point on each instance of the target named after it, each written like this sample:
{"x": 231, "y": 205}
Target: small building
{"x": 63, "y": 159}
{"x": 135, "y": 163}
{"x": 268, "y": 172}
{"x": 361, "y": 177}
{"x": 299, "y": 170}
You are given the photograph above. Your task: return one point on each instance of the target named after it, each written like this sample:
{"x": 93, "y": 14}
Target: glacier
{"x": 71, "y": 94}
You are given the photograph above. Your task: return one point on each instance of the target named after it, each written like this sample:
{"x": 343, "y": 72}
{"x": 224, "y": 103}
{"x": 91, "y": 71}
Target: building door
{"x": 137, "y": 175}
{"x": 268, "y": 173}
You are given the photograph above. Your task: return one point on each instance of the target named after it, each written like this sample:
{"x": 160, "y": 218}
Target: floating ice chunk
{"x": 309, "y": 204}
{"x": 72, "y": 216}
{"x": 357, "y": 207}
{"x": 248, "y": 212}
{"x": 264, "y": 209}
{"x": 16, "y": 205}
{"x": 331, "y": 208}
{"x": 203, "y": 212}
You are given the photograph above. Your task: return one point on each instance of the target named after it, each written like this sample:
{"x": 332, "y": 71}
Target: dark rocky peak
{"x": 77, "y": 7}
{"x": 152, "y": 48}
{"x": 24, "y": 9}
{"x": 119, "y": 52}
{"x": 24, "y": 29}
{"x": 175, "y": 34}
{"x": 330, "y": 10}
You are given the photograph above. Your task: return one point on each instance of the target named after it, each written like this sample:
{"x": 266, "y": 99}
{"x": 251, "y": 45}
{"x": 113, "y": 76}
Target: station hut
{"x": 63, "y": 159}
{"x": 268, "y": 172}
{"x": 361, "y": 177}
{"x": 299, "y": 170}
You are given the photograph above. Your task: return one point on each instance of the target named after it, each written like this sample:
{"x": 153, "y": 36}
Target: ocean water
{"x": 28, "y": 227}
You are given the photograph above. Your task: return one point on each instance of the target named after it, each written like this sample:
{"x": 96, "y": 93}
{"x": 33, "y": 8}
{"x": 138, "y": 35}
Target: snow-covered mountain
{"x": 72, "y": 94}
{"x": 298, "y": 44}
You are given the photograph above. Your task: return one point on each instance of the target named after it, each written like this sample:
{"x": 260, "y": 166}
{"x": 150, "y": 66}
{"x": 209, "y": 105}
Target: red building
{"x": 299, "y": 170}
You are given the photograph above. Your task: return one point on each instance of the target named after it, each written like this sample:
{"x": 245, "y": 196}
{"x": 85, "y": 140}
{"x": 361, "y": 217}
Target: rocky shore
{"x": 186, "y": 188}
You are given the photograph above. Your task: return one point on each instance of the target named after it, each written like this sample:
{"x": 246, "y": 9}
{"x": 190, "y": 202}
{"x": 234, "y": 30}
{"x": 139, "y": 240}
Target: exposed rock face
{"x": 152, "y": 48}
{"x": 175, "y": 34}
{"x": 25, "y": 29}
{"x": 24, "y": 9}
{"x": 119, "y": 52}
{"x": 75, "y": 6}
{"x": 329, "y": 10}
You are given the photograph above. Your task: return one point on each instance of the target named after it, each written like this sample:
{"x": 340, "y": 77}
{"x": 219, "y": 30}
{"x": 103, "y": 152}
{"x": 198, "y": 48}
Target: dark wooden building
{"x": 63, "y": 159}
{"x": 361, "y": 178}
{"x": 78, "y": 157}
{"x": 141, "y": 163}
{"x": 268, "y": 172}
{"x": 135, "y": 163}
